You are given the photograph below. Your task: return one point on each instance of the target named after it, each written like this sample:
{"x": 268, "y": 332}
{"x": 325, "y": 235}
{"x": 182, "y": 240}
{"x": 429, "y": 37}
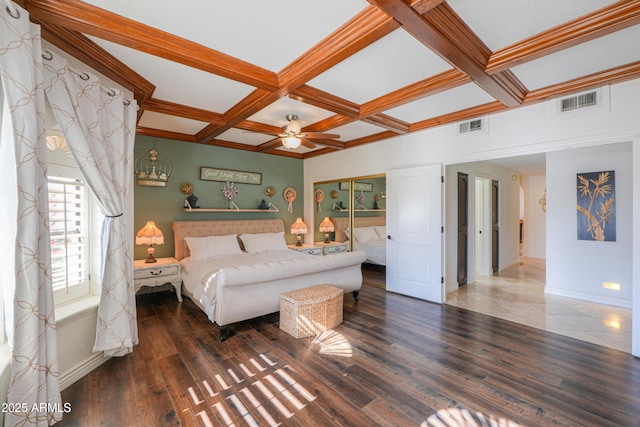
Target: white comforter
{"x": 376, "y": 250}
{"x": 203, "y": 278}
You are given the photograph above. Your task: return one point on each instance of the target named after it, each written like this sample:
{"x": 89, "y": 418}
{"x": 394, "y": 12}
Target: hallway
{"x": 518, "y": 295}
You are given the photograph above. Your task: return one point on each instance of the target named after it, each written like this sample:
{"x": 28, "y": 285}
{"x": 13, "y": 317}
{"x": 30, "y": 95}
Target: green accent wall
{"x": 164, "y": 204}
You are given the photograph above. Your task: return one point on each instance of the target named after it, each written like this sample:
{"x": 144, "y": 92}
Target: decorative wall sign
{"x": 597, "y": 206}
{"x": 241, "y": 177}
{"x": 357, "y": 186}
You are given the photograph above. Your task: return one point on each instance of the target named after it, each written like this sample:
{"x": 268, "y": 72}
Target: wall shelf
{"x": 234, "y": 208}
{"x": 227, "y": 210}
{"x": 359, "y": 210}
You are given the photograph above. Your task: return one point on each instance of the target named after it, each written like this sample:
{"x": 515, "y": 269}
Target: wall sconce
{"x": 150, "y": 235}
{"x": 299, "y": 227}
{"x": 326, "y": 227}
{"x": 153, "y": 170}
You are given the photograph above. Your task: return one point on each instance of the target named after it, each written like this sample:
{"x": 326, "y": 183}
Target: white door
{"x": 414, "y": 245}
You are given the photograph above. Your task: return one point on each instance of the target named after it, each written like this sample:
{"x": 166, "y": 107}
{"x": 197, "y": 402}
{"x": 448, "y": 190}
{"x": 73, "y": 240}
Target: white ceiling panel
{"x": 391, "y": 63}
{"x": 519, "y": 19}
{"x": 460, "y": 98}
{"x": 166, "y": 122}
{"x": 597, "y": 55}
{"x": 244, "y": 137}
{"x": 181, "y": 84}
{"x": 356, "y": 130}
{"x": 275, "y": 113}
{"x": 270, "y": 34}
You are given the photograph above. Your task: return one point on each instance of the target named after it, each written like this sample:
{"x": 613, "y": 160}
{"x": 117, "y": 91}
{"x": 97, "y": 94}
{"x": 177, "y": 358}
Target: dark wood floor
{"x": 394, "y": 361}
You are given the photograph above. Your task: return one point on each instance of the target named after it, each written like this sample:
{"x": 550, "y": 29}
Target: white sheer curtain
{"x": 99, "y": 127}
{"x": 25, "y": 245}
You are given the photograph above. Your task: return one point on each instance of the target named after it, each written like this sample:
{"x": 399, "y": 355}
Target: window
{"x": 73, "y": 216}
{"x": 68, "y": 224}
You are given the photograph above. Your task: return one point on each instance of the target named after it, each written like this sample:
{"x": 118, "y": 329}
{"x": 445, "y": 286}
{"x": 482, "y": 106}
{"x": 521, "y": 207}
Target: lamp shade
{"x": 291, "y": 142}
{"x": 299, "y": 227}
{"x": 149, "y": 235}
{"x": 326, "y": 226}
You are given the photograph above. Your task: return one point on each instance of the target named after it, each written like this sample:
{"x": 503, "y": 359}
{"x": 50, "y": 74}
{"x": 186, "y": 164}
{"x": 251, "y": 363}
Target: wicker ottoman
{"x": 311, "y": 311}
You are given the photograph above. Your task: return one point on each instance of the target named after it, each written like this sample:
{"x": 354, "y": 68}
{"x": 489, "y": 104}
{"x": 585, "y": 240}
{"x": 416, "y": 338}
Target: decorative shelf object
{"x": 272, "y": 208}
{"x": 336, "y": 209}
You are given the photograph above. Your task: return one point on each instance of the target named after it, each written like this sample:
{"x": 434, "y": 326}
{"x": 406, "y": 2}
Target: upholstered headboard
{"x": 342, "y": 223}
{"x": 182, "y": 229}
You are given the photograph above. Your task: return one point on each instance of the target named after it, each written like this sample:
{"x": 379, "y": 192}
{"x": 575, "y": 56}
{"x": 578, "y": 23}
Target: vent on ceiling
{"x": 578, "y": 102}
{"x": 471, "y": 126}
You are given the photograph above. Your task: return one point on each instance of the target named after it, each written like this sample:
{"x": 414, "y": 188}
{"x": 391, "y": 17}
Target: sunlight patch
{"x": 333, "y": 344}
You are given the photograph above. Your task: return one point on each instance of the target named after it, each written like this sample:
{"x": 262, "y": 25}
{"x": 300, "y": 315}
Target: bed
{"x": 370, "y": 236}
{"x": 231, "y": 287}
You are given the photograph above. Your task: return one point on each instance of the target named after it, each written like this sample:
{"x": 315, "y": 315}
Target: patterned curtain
{"x": 99, "y": 126}
{"x": 34, "y": 390}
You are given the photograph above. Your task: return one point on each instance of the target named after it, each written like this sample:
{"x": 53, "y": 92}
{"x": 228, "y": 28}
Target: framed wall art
{"x": 597, "y": 206}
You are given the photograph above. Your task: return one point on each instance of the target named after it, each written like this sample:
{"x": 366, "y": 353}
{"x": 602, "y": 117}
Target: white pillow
{"x": 213, "y": 246}
{"x": 381, "y": 231}
{"x": 263, "y": 242}
{"x": 364, "y": 234}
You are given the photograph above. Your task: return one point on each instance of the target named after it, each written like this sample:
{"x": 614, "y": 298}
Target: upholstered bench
{"x": 311, "y": 311}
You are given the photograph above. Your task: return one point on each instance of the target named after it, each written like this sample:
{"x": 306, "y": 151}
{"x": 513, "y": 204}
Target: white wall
{"x": 527, "y": 130}
{"x": 577, "y": 268}
{"x": 508, "y": 217}
{"x": 534, "y": 227}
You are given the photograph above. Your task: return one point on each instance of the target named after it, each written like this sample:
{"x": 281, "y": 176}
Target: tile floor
{"x": 518, "y": 295}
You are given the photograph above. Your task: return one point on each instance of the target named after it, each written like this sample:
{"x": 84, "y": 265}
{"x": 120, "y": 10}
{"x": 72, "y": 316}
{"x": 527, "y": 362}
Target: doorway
{"x": 482, "y": 211}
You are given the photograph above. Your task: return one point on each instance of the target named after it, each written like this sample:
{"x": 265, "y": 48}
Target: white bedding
{"x": 376, "y": 250}
{"x": 203, "y": 278}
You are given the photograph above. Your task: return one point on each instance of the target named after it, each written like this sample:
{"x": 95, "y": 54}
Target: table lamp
{"x": 326, "y": 227}
{"x": 299, "y": 228}
{"x": 150, "y": 235}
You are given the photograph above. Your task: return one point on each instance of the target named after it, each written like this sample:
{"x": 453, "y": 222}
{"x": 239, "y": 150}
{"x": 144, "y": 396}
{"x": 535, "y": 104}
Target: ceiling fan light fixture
{"x": 291, "y": 142}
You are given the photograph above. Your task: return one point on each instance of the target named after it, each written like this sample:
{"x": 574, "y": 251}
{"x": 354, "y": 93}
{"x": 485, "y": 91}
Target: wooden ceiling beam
{"x": 387, "y": 122}
{"x": 158, "y": 133}
{"x": 367, "y": 27}
{"x": 614, "y": 75}
{"x": 259, "y": 127}
{"x": 173, "y": 109}
{"x": 430, "y": 86}
{"x": 607, "y": 20}
{"x": 480, "y": 110}
{"x": 442, "y": 31}
{"x": 85, "y": 18}
{"x": 370, "y": 138}
{"x": 94, "y": 56}
{"x": 338, "y": 145}
{"x": 319, "y": 152}
{"x": 251, "y": 104}
{"x": 329, "y": 123}
{"x": 325, "y": 100}
{"x": 424, "y": 6}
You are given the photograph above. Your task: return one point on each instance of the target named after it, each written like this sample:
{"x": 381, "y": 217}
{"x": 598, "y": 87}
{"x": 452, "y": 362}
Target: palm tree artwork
{"x": 597, "y": 206}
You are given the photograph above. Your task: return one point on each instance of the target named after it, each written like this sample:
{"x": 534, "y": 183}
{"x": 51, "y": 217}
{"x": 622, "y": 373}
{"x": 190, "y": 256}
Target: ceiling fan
{"x": 292, "y": 135}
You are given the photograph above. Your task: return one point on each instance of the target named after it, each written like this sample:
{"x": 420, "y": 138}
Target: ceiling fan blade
{"x": 269, "y": 145}
{"x": 320, "y": 135}
{"x": 307, "y": 143}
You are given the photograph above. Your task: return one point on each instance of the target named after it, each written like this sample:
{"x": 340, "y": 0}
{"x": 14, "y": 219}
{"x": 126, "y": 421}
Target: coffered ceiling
{"x": 226, "y": 73}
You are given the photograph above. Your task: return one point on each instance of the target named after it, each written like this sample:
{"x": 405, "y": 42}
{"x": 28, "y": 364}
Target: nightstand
{"x": 307, "y": 249}
{"x": 333, "y": 247}
{"x": 166, "y": 270}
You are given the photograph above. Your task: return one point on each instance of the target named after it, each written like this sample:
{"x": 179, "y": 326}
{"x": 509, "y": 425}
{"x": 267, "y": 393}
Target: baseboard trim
{"x": 585, "y": 297}
{"x": 511, "y": 263}
{"x": 68, "y": 378}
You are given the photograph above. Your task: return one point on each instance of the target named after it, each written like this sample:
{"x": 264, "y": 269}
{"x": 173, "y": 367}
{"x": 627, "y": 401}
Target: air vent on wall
{"x": 476, "y": 125}
{"x": 580, "y": 101}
